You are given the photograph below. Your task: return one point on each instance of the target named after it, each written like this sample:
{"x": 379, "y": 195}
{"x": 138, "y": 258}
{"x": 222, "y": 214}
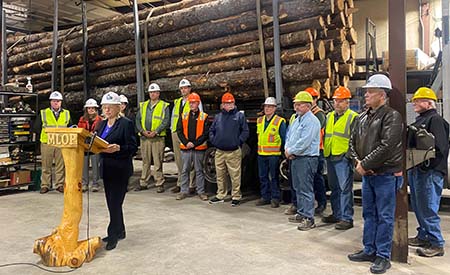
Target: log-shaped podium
{"x": 62, "y": 247}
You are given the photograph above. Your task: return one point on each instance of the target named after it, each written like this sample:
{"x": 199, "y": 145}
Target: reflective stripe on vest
{"x": 269, "y": 139}
{"x": 158, "y": 115}
{"x": 176, "y": 112}
{"x": 49, "y": 121}
{"x": 337, "y": 135}
{"x": 199, "y": 130}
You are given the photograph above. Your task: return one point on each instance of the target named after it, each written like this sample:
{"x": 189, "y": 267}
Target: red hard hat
{"x": 342, "y": 93}
{"x": 313, "y": 92}
{"x": 227, "y": 98}
{"x": 193, "y": 97}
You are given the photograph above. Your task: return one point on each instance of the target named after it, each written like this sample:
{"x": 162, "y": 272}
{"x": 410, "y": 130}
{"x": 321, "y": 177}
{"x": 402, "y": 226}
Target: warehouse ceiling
{"x": 37, "y": 15}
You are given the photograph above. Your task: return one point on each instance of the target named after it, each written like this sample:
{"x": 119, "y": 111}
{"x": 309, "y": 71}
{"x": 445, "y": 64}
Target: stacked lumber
{"x": 214, "y": 44}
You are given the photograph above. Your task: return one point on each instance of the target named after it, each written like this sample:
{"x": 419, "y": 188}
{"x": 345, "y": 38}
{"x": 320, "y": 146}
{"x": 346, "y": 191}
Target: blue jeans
{"x": 378, "y": 202}
{"x": 268, "y": 165}
{"x": 319, "y": 183}
{"x": 303, "y": 170}
{"x": 340, "y": 177}
{"x": 426, "y": 190}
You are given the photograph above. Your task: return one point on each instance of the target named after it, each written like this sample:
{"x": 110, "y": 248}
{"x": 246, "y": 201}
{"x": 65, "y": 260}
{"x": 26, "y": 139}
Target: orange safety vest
{"x": 199, "y": 131}
{"x": 315, "y": 109}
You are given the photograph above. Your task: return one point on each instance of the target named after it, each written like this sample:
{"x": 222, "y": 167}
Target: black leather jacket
{"x": 377, "y": 139}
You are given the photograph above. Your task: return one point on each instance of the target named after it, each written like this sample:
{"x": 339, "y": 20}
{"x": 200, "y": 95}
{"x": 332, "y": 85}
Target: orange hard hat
{"x": 193, "y": 97}
{"x": 312, "y": 91}
{"x": 227, "y": 98}
{"x": 342, "y": 93}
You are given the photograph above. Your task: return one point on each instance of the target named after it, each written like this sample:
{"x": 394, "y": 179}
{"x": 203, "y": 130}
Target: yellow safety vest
{"x": 158, "y": 115}
{"x": 337, "y": 135}
{"x": 49, "y": 121}
{"x": 176, "y": 112}
{"x": 269, "y": 140}
{"x": 291, "y": 120}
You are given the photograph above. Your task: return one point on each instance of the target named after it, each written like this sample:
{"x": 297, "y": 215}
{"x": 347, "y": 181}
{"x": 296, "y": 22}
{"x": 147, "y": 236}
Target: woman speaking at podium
{"x": 116, "y": 163}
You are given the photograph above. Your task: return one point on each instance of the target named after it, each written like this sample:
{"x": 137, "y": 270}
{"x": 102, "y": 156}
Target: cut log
{"x": 353, "y": 51}
{"x": 337, "y": 35}
{"x": 339, "y": 5}
{"x": 341, "y": 52}
{"x": 344, "y": 80}
{"x": 338, "y": 20}
{"x": 301, "y": 9}
{"x": 335, "y": 66}
{"x": 346, "y": 69}
{"x": 352, "y": 36}
{"x": 350, "y": 21}
{"x": 319, "y": 50}
{"x": 350, "y": 3}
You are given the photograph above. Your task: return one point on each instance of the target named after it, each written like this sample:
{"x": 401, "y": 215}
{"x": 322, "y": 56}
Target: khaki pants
{"x": 179, "y": 161}
{"x": 228, "y": 161}
{"x": 152, "y": 149}
{"x": 48, "y": 153}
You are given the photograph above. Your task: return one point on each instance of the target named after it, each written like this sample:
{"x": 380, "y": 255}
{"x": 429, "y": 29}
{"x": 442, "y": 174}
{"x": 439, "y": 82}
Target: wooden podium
{"x": 62, "y": 247}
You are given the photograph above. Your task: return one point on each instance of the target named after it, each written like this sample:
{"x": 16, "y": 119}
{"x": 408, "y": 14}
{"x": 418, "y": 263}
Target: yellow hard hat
{"x": 303, "y": 96}
{"x": 424, "y": 92}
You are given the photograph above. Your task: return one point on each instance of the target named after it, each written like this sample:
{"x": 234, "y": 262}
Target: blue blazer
{"x": 122, "y": 133}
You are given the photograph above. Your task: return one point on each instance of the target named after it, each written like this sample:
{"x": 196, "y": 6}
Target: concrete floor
{"x": 165, "y": 236}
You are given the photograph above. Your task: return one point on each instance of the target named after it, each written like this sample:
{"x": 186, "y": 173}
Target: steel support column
{"x": 445, "y": 60}
{"x": 137, "y": 42}
{"x": 277, "y": 54}
{"x": 397, "y": 71}
{"x": 55, "y": 46}
{"x": 85, "y": 51}
{"x": 4, "y": 47}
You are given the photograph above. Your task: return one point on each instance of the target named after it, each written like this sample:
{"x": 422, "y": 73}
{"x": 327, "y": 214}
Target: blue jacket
{"x": 229, "y": 130}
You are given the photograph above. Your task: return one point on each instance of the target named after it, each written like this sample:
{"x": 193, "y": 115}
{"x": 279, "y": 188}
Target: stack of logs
{"x": 214, "y": 44}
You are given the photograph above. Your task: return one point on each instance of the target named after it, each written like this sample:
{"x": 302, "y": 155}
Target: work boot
{"x": 95, "y": 188}
{"x": 274, "y": 203}
{"x": 84, "y": 188}
{"x": 160, "y": 189}
{"x": 343, "y": 225}
{"x": 292, "y": 210}
{"x": 416, "y": 241}
{"x": 319, "y": 210}
{"x": 262, "y": 202}
{"x": 235, "y": 203}
{"x": 44, "y": 190}
{"x": 306, "y": 224}
{"x": 60, "y": 189}
{"x": 380, "y": 265}
{"x": 297, "y": 218}
{"x": 330, "y": 219}
{"x": 360, "y": 256}
{"x": 181, "y": 196}
{"x": 203, "y": 196}
{"x": 430, "y": 251}
{"x": 215, "y": 200}
{"x": 192, "y": 190}
{"x": 175, "y": 189}
{"x": 111, "y": 244}
{"x": 141, "y": 188}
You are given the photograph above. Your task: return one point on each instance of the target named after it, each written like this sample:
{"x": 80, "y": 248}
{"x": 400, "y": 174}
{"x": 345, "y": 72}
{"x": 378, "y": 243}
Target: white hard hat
{"x": 378, "y": 81}
{"x": 154, "y": 88}
{"x": 270, "y": 101}
{"x": 111, "y": 98}
{"x": 184, "y": 83}
{"x": 91, "y": 103}
{"x": 123, "y": 99}
{"x": 56, "y": 95}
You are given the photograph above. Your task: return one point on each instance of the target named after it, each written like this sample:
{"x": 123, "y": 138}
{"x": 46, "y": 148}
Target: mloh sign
{"x": 63, "y": 139}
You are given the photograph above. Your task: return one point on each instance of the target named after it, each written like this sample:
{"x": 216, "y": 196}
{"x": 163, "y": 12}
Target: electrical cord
{"x": 38, "y": 266}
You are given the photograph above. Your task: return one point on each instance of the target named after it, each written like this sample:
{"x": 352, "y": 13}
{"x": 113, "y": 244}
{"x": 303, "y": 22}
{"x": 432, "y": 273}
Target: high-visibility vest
{"x": 199, "y": 130}
{"x": 269, "y": 139}
{"x": 176, "y": 112}
{"x": 49, "y": 121}
{"x": 158, "y": 115}
{"x": 315, "y": 109}
{"x": 337, "y": 135}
